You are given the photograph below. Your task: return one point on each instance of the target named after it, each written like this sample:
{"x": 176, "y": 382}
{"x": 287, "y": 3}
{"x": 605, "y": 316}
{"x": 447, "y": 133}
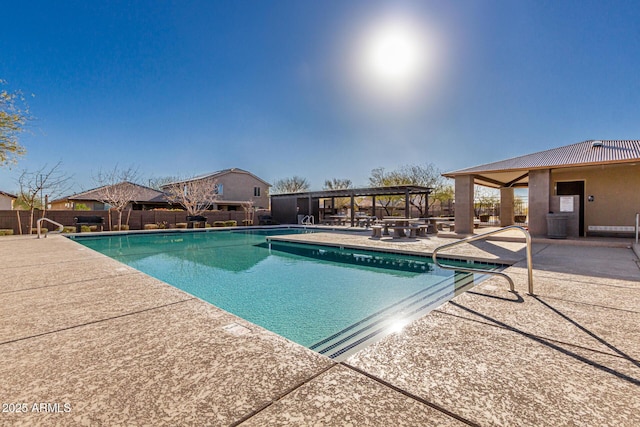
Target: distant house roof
{"x": 4, "y": 193}
{"x": 142, "y": 194}
{"x": 218, "y": 174}
{"x": 514, "y": 172}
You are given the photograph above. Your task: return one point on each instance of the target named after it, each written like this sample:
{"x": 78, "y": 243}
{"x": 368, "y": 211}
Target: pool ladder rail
{"x": 307, "y": 220}
{"x": 39, "y": 226}
{"x": 478, "y": 270}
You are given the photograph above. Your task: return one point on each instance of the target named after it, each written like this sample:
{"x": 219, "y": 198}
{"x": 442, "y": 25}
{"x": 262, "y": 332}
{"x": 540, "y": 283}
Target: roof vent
{"x": 595, "y": 144}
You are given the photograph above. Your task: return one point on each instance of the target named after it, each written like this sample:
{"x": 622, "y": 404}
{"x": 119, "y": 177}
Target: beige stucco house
{"x": 142, "y": 198}
{"x": 6, "y": 201}
{"x": 594, "y": 183}
{"x": 235, "y": 187}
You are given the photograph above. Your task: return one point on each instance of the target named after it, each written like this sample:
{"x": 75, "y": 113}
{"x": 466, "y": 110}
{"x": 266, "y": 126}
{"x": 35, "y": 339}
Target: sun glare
{"x": 391, "y": 56}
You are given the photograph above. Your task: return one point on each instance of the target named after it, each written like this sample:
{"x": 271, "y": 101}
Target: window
{"x": 256, "y": 191}
{"x": 219, "y": 189}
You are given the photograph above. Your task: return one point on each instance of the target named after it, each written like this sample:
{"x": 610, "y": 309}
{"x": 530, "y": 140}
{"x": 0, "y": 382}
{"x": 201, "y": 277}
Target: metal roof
{"x": 514, "y": 172}
{"x": 396, "y": 190}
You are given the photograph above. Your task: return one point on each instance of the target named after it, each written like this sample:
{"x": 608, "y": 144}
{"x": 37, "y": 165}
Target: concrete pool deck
{"x": 99, "y": 343}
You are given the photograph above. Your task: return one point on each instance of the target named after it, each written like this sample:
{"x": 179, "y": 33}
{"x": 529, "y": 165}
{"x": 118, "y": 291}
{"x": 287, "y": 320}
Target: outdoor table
{"x": 338, "y": 219}
{"x": 364, "y": 220}
{"x": 397, "y": 224}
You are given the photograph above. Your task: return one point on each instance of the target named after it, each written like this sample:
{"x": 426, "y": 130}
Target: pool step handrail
{"x": 308, "y": 220}
{"x": 39, "y": 226}
{"x": 478, "y": 270}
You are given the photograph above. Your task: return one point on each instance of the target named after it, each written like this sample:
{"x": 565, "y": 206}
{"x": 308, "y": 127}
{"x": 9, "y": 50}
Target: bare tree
{"x": 249, "y": 210}
{"x": 339, "y": 184}
{"x": 36, "y": 188}
{"x": 294, "y": 184}
{"x": 157, "y": 183}
{"x": 116, "y": 189}
{"x": 195, "y": 195}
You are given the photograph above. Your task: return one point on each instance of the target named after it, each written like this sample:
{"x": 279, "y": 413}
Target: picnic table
{"x": 336, "y": 219}
{"x": 364, "y": 220}
{"x": 400, "y": 225}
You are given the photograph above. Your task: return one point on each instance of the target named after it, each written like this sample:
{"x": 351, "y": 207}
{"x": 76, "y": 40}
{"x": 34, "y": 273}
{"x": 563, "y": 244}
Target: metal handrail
{"x": 478, "y": 270}
{"x": 637, "y": 225}
{"x": 39, "y": 222}
{"x": 308, "y": 220}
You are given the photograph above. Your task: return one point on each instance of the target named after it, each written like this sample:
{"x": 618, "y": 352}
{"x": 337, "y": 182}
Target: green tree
{"x": 14, "y": 114}
{"x": 380, "y": 178}
{"x": 426, "y": 176}
{"x": 421, "y": 175}
{"x": 294, "y": 184}
{"x": 484, "y": 200}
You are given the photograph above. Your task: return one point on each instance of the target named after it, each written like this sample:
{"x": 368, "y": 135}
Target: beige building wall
{"x": 539, "y": 188}
{"x": 241, "y": 186}
{"x": 464, "y": 204}
{"x": 506, "y": 206}
{"x": 6, "y": 203}
{"x": 615, "y": 190}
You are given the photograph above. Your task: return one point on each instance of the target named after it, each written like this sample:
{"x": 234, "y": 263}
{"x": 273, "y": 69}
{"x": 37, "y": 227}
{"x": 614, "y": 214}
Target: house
{"x": 6, "y": 201}
{"x": 593, "y": 183}
{"x": 235, "y": 187}
{"x": 142, "y": 198}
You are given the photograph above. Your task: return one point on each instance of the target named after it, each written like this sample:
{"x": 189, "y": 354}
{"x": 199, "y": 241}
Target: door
{"x": 571, "y": 188}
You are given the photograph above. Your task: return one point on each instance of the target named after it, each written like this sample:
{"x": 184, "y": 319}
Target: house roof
{"x": 142, "y": 194}
{"x": 218, "y": 174}
{"x": 514, "y": 172}
{"x": 4, "y": 193}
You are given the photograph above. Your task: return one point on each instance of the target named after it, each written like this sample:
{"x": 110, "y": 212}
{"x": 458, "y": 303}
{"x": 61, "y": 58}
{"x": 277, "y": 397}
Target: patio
{"x": 122, "y": 348}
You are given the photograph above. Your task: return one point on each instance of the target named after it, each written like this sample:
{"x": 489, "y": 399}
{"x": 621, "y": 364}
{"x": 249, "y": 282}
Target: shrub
{"x": 122, "y": 227}
{"x": 151, "y": 226}
{"x": 6, "y": 232}
{"x": 69, "y": 229}
{"x": 231, "y": 223}
{"x": 219, "y": 223}
{"x": 43, "y": 230}
{"x": 246, "y": 222}
{"x": 181, "y": 225}
{"x": 85, "y": 229}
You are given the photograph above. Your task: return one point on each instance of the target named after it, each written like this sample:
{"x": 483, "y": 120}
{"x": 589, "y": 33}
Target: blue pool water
{"x": 325, "y": 298}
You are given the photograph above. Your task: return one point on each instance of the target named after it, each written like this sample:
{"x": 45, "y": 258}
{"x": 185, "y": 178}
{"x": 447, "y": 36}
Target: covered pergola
{"x": 594, "y": 183}
{"x": 285, "y": 208}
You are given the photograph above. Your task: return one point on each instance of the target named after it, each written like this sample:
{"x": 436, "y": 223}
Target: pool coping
{"x": 308, "y": 387}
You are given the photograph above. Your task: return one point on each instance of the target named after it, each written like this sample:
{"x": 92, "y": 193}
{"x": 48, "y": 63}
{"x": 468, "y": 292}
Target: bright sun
{"x": 392, "y": 55}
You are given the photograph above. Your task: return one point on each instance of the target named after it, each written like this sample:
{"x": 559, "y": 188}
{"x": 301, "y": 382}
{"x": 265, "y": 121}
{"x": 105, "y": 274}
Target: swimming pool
{"x": 331, "y": 300}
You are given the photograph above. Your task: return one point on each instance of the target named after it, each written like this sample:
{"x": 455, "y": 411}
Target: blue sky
{"x": 277, "y": 87}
